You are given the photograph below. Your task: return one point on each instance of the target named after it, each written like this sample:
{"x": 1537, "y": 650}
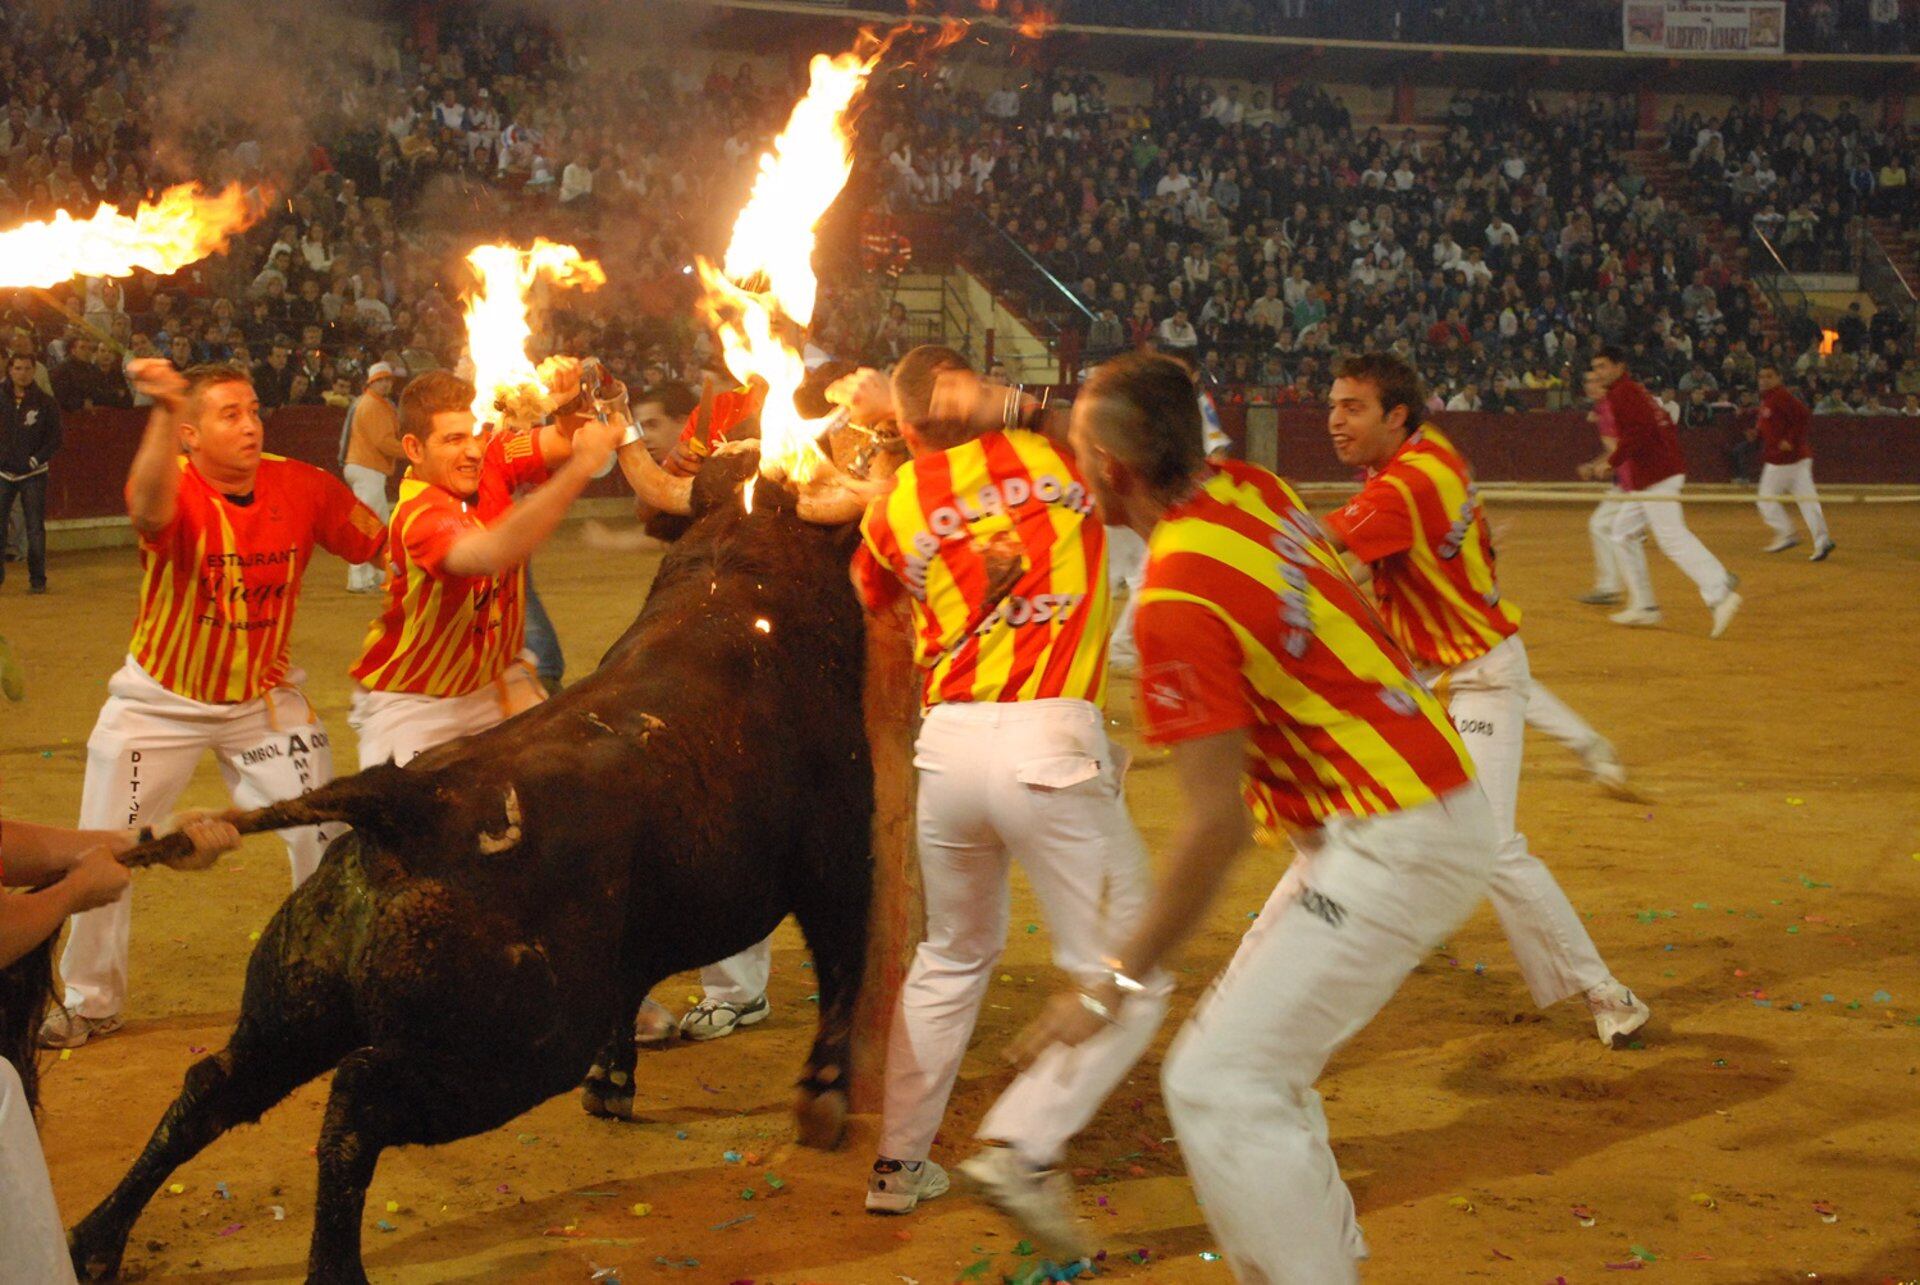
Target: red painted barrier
{"x": 89, "y": 475}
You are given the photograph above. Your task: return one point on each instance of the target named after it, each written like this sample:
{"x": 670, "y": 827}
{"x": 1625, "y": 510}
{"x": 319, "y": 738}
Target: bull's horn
{"x": 831, "y": 505}
{"x": 657, "y": 488}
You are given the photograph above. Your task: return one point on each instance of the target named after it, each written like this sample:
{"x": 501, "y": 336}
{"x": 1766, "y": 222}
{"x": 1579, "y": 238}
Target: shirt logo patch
{"x": 365, "y": 522}
{"x": 1170, "y": 691}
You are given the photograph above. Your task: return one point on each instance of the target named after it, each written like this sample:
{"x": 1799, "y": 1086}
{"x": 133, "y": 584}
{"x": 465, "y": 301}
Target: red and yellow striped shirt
{"x": 1418, "y": 521}
{"x": 442, "y": 634}
{"x": 996, "y": 542}
{"x": 1248, "y": 619}
{"x": 219, "y": 583}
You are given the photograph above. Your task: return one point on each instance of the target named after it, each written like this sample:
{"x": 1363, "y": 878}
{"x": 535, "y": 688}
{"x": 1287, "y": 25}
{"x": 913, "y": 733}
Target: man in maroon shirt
{"x": 1650, "y": 470}
{"x": 1787, "y": 466}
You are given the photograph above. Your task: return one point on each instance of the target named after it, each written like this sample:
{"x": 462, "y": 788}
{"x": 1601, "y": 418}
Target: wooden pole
{"x": 897, "y": 920}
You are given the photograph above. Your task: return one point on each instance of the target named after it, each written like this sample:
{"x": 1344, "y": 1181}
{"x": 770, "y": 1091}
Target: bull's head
{"x": 832, "y": 498}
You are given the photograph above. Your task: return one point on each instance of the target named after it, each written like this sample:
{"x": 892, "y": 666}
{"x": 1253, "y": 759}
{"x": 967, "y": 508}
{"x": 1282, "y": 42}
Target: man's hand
{"x": 97, "y": 879}
{"x": 595, "y": 441}
{"x": 561, "y": 375}
{"x": 210, "y": 833}
{"x": 156, "y": 377}
{"x": 866, "y": 394}
{"x": 1065, "y": 1020}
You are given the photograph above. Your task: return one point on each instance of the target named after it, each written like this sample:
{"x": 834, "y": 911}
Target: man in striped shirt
{"x": 1419, "y": 524}
{"x": 226, "y": 532}
{"x": 1266, "y": 671}
{"x": 446, "y": 657}
{"x": 989, "y": 536}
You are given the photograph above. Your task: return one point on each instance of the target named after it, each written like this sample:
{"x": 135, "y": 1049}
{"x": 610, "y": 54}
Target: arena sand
{"x": 1764, "y": 895}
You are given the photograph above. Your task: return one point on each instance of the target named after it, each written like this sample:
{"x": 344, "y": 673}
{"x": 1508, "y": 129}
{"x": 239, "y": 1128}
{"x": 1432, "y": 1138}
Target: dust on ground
{"x": 1762, "y": 896}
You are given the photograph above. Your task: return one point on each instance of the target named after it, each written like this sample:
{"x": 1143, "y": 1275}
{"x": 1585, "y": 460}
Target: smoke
{"x": 251, "y": 85}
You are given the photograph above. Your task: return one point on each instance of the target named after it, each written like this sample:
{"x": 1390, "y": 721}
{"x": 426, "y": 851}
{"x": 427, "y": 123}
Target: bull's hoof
{"x": 602, "y": 1099}
{"x": 96, "y": 1254}
{"x": 821, "y": 1117}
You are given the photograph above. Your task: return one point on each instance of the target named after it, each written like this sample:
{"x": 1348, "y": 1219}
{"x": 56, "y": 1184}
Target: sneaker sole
{"x": 99, "y": 1030}
{"x": 1618, "y": 1039}
{"x": 939, "y": 1186}
{"x": 753, "y": 1018}
{"x": 986, "y": 1184}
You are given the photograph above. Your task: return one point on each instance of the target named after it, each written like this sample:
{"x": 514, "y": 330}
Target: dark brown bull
{"x": 483, "y": 938}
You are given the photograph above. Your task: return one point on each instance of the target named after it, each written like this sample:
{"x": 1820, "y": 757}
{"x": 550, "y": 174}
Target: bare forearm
{"x": 27, "y": 919}
{"x": 33, "y": 855}
{"x": 1202, "y": 855}
{"x": 527, "y": 525}
{"x": 153, "y": 483}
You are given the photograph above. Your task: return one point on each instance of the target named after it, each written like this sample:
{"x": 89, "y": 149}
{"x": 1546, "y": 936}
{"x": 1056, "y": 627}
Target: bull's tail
{"x": 377, "y": 802}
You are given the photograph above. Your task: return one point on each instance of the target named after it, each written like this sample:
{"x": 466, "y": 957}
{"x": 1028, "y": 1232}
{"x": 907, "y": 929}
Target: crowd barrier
{"x": 88, "y": 475}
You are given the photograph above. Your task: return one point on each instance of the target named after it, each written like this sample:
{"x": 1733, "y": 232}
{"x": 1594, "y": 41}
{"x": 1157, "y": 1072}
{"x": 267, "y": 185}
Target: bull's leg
{"x": 387, "y": 1097}
{"x": 608, "y": 1090}
{"x": 234, "y": 1086}
{"x": 833, "y": 918}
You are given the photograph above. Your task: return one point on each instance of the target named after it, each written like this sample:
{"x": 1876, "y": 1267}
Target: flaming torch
{"x": 184, "y": 226}
{"x": 761, "y": 297}
{"x": 508, "y": 387}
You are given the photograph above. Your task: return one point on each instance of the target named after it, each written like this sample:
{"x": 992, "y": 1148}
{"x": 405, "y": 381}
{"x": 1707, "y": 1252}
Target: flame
{"x": 184, "y": 226}
{"x": 1035, "y": 23}
{"x": 507, "y": 385}
{"x": 761, "y": 297}
{"x": 1828, "y": 338}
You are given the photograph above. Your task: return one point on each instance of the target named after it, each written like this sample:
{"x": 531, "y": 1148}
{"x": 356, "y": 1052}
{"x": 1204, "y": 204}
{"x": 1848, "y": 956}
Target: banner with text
{"x": 1756, "y": 27}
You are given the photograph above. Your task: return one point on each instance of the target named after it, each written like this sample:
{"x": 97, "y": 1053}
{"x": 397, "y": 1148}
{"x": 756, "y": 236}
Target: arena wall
{"x": 90, "y": 471}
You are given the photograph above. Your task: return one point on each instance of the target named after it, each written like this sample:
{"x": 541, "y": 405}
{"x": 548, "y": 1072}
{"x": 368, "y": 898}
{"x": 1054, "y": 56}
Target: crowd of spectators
{"x": 1263, "y": 237}
{"x": 402, "y": 162}
{"x": 1813, "y": 26}
{"x": 1798, "y": 176}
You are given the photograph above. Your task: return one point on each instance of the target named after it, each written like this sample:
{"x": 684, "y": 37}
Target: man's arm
{"x": 153, "y": 482}
{"x": 51, "y": 436}
{"x": 1212, "y": 834}
{"x": 511, "y": 541}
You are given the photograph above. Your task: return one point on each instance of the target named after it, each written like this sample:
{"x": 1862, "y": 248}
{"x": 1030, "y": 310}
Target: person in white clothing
{"x": 369, "y": 452}
{"x": 1787, "y": 467}
{"x": 1014, "y": 764}
{"x": 225, "y": 536}
{"x": 1608, "y": 575}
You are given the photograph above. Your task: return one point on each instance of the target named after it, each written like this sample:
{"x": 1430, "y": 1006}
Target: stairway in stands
{"x": 1901, "y": 247}
{"x": 1668, "y": 177}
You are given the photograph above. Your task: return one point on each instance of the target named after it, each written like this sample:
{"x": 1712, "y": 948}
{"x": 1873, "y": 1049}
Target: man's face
{"x": 223, "y": 432}
{"x": 658, "y": 429}
{"x": 450, "y": 456}
{"x": 181, "y": 350}
{"x": 20, "y": 371}
{"x": 1607, "y": 372}
{"x": 381, "y": 387}
{"x": 1364, "y": 434}
{"x": 1768, "y": 379}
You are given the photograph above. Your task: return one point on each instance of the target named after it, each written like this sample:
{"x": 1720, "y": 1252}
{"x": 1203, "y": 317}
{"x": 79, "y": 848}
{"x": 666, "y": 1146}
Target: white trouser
{"x": 140, "y": 757}
{"x": 33, "y": 1244}
{"x": 1126, "y": 569}
{"x": 402, "y": 725}
{"x": 1791, "y": 479}
{"x": 1038, "y": 782}
{"x": 1606, "y": 554}
{"x": 1363, "y": 902}
{"x": 371, "y": 486}
{"x": 739, "y": 979}
{"x": 1548, "y": 714}
{"x": 1669, "y": 526}
{"x": 1487, "y": 699}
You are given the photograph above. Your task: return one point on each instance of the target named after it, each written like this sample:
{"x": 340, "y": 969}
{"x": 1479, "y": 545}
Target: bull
{"x": 483, "y": 937}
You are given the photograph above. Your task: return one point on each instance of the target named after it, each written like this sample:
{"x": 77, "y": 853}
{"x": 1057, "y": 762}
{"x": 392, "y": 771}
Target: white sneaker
{"x": 1037, "y": 1201}
{"x": 896, "y": 1186}
{"x": 1781, "y": 543}
{"x": 1617, "y": 1012}
{"x": 1637, "y": 617}
{"x": 653, "y": 1025}
{"x": 1603, "y": 765}
{"x": 712, "y": 1018}
{"x": 1600, "y": 597}
{"x": 1821, "y": 550}
{"x": 1723, "y": 613}
{"x": 66, "y": 1029}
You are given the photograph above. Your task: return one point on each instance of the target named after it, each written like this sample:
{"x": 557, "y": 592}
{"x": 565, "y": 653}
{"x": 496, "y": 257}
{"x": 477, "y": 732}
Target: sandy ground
{"x": 1763, "y": 896}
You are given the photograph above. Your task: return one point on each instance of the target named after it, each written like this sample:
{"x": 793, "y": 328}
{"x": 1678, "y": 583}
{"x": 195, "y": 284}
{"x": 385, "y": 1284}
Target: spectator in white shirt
{"x": 1446, "y": 252}
{"x": 1004, "y": 103}
{"x": 1501, "y": 233}
{"x": 1468, "y": 398}
{"x": 576, "y": 182}
{"x": 1173, "y": 182}
{"x": 448, "y": 114}
{"x": 1177, "y": 332}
